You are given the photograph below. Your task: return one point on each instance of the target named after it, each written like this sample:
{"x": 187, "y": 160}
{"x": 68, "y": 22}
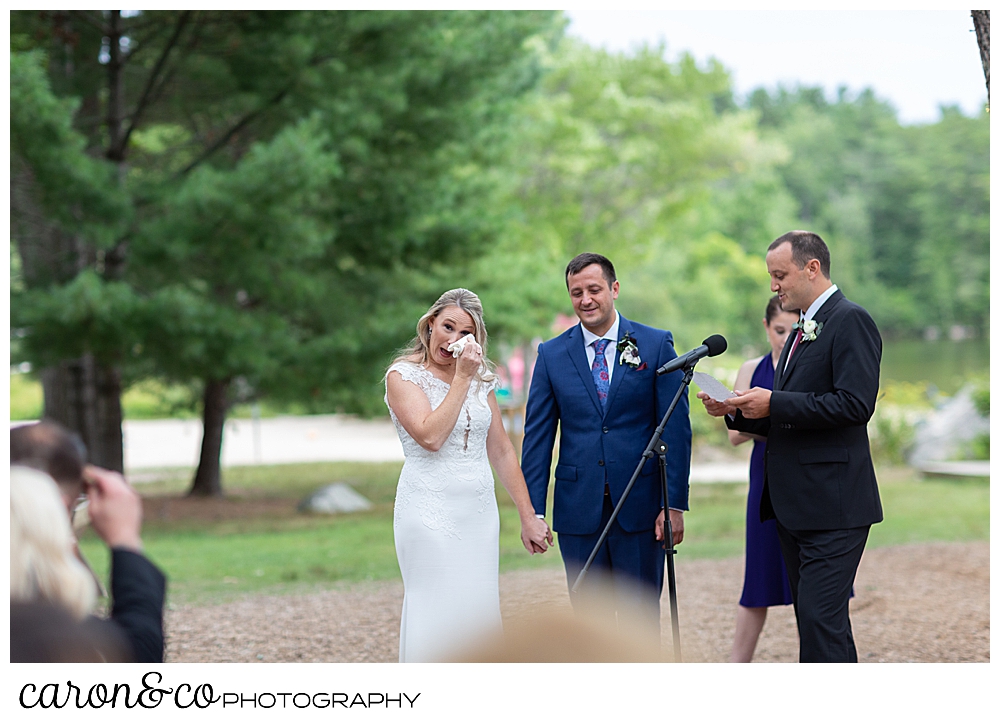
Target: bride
{"x": 441, "y": 397}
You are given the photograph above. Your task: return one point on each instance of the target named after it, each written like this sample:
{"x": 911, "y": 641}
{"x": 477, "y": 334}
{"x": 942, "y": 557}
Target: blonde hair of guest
{"x": 43, "y": 565}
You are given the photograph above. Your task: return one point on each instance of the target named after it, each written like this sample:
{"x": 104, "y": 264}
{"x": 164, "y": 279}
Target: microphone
{"x": 712, "y": 346}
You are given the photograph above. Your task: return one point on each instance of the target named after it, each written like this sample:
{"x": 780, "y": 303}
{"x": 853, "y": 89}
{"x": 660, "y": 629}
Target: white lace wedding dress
{"x": 447, "y": 529}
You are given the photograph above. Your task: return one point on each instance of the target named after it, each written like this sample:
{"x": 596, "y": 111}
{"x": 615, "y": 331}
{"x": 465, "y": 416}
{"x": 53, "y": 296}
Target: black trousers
{"x": 821, "y": 568}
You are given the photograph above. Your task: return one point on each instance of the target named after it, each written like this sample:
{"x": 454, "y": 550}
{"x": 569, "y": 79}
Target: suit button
{"x": 600, "y": 463}
{"x": 605, "y": 430}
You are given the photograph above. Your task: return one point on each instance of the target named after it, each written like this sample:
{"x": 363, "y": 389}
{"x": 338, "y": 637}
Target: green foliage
{"x": 980, "y": 447}
{"x": 73, "y": 188}
{"x": 624, "y": 154}
{"x": 928, "y": 509}
{"x": 981, "y": 396}
{"x": 891, "y": 435}
{"x": 893, "y": 392}
{"x": 905, "y": 210}
{"x": 298, "y": 187}
{"x": 290, "y": 183}
{"x": 152, "y": 399}
{"x": 25, "y": 397}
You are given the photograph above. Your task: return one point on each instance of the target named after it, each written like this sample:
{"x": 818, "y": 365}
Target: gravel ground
{"x": 917, "y": 603}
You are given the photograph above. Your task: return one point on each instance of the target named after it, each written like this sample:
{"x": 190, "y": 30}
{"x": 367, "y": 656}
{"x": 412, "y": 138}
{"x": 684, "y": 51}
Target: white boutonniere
{"x": 810, "y": 329}
{"x": 629, "y": 353}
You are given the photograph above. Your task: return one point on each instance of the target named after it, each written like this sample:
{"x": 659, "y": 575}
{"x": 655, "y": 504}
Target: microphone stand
{"x": 655, "y": 446}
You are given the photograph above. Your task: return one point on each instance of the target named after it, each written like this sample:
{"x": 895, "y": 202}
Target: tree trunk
{"x": 208, "y": 478}
{"x": 85, "y": 396}
{"x": 981, "y": 19}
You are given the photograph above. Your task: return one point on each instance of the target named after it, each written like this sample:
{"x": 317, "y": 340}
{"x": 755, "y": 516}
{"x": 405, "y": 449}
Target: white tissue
{"x": 458, "y": 347}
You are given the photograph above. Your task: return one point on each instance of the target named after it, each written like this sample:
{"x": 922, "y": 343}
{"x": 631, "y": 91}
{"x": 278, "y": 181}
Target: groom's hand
{"x": 535, "y": 534}
{"x": 676, "y": 525}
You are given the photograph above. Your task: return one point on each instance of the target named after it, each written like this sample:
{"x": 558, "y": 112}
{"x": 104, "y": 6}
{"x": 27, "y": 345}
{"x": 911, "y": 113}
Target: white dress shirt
{"x": 610, "y": 351}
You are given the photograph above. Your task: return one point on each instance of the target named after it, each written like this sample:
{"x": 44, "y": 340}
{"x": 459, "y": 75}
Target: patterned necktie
{"x": 602, "y": 379}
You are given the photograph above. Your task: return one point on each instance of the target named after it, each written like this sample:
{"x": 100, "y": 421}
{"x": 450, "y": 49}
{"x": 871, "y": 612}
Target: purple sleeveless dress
{"x": 765, "y": 581}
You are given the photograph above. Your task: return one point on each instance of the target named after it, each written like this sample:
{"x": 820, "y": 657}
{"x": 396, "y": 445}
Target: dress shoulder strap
{"x": 410, "y": 372}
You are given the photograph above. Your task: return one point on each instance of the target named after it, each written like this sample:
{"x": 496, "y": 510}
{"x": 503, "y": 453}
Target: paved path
{"x": 151, "y": 444}
{"x": 277, "y": 440}
{"x": 973, "y": 468}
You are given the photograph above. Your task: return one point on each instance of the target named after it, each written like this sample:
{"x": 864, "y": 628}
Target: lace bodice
{"x": 443, "y": 484}
{"x": 469, "y": 434}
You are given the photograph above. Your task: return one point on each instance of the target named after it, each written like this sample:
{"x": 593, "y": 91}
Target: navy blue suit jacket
{"x": 598, "y": 448}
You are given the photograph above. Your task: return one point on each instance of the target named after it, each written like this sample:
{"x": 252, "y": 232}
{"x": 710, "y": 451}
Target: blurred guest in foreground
{"x": 138, "y": 588}
{"x": 51, "y": 592}
{"x": 583, "y": 634}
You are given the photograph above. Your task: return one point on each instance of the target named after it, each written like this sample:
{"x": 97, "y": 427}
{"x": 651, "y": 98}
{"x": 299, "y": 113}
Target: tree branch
{"x": 249, "y": 118}
{"x": 85, "y": 16}
{"x": 981, "y": 19}
{"x": 240, "y": 125}
{"x": 153, "y": 76}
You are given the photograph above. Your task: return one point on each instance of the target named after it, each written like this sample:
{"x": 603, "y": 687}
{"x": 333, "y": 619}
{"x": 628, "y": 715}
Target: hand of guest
{"x": 754, "y": 403}
{"x": 115, "y": 508}
{"x": 535, "y": 534}
{"x": 714, "y": 408}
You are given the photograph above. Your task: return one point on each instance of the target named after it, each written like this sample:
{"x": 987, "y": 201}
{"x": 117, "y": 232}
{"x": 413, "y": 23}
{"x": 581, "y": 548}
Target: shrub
{"x": 891, "y": 435}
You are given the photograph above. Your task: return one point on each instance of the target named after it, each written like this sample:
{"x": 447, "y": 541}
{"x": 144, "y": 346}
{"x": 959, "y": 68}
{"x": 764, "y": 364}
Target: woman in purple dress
{"x": 765, "y": 581}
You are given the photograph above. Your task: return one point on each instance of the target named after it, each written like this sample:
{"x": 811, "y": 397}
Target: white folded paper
{"x": 713, "y": 387}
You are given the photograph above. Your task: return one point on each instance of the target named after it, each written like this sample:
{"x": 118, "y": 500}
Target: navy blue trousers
{"x": 628, "y": 569}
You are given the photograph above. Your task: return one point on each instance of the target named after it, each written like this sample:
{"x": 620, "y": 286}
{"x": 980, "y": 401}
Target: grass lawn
{"x": 254, "y": 540}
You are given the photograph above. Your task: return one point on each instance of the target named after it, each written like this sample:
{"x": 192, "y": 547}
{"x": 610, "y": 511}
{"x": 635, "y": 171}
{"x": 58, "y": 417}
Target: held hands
{"x": 115, "y": 508}
{"x": 755, "y": 403}
{"x": 676, "y": 526}
{"x": 535, "y": 534}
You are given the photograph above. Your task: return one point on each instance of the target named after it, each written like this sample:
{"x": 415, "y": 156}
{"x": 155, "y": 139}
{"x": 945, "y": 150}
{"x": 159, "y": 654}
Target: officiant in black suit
{"x": 819, "y": 481}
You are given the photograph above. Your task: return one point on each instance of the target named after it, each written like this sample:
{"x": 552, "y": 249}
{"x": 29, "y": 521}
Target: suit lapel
{"x": 779, "y": 372}
{"x": 795, "y": 357}
{"x": 578, "y": 354}
{"x": 806, "y": 346}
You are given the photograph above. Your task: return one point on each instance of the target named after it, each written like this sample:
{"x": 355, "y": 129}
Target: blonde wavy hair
{"x": 43, "y": 565}
{"x": 418, "y": 350}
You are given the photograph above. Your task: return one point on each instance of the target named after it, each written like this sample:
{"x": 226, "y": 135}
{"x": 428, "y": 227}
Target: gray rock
{"x": 943, "y": 434}
{"x": 339, "y": 497}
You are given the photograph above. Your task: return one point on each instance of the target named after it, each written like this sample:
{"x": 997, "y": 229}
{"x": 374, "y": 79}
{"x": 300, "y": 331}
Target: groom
{"x": 597, "y": 383}
{"x": 819, "y": 482}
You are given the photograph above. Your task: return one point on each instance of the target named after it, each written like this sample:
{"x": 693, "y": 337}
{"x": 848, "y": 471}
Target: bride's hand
{"x": 535, "y": 534}
{"x": 469, "y": 360}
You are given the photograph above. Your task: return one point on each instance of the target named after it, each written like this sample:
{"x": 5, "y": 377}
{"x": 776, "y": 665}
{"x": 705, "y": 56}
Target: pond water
{"x": 945, "y": 364}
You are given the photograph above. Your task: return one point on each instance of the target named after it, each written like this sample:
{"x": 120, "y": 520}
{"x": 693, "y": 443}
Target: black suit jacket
{"x": 138, "y": 590}
{"x": 818, "y": 472}
{"x": 42, "y": 632}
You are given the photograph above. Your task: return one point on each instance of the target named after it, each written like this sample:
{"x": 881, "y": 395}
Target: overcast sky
{"x": 916, "y": 59}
